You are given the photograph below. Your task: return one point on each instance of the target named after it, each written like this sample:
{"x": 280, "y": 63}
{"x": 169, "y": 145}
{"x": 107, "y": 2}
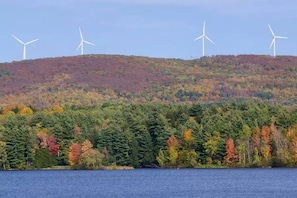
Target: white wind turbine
{"x": 203, "y": 36}
{"x": 81, "y": 44}
{"x": 24, "y": 44}
{"x": 274, "y": 37}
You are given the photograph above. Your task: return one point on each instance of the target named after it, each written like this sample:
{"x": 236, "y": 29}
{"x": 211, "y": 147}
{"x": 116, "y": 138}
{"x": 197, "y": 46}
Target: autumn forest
{"x": 98, "y": 111}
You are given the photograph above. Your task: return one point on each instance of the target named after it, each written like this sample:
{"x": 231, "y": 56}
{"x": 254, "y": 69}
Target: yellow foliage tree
{"x": 26, "y": 111}
{"x": 291, "y": 137}
{"x": 172, "y": 156}
{"x": 212, "y": 145}
{"x": 188, "y": 136}
{"x": 57, "y": 109}
{"x": 86, "y": 145}
{"x": 91, "y": 158}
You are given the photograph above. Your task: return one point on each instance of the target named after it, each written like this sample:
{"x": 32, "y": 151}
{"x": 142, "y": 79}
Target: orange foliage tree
{"x": 83, "y": 155}
{"x": 16, "y": 108}
{"x": 265, "y": 143}
{"x": 231, "y": 155}
{"x": 74, "y": 154}
{"x": 256, "y": 137}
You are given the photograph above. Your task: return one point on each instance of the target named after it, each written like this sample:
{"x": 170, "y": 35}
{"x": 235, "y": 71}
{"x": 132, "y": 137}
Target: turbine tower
{"x": 274, "y": 37}
{"x": 203, "y": 36}
{"x": 81, "y": 44}
{"x": 24, "y": 44}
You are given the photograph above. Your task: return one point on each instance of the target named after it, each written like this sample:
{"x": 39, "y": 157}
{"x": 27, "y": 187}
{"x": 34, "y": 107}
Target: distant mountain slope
{"x": 91, "y": 79}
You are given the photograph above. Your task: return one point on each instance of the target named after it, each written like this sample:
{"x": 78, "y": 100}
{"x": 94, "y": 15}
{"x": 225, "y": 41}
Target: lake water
{"x": 157, "y": 183}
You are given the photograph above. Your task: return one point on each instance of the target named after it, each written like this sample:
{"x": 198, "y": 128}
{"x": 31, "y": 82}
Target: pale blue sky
{"x": 155, "y": 28}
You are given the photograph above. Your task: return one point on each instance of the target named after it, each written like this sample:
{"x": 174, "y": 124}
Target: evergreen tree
{"x": 156, "y": 128}
{"x": 19, "y": 142}
{"x": 44, "y": 159}
{"x": 117, "y": 144}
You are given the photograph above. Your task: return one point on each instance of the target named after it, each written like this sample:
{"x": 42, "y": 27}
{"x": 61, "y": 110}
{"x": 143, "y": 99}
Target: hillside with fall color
{"x": 98, "y": 111}
{"x": 95, "y": 79}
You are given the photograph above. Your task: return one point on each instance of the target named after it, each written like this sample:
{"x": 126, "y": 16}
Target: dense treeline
{"x": 234, "y": 134}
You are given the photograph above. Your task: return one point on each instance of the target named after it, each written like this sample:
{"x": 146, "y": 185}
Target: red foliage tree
{"x": 53, "y": 147}
{"x": 172, "y": 142}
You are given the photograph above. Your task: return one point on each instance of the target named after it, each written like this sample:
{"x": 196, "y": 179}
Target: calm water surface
{"x": 151, "y": 183}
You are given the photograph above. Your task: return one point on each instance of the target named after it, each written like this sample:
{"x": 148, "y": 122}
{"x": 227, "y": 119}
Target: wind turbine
{"x": 81, "y": 44}
{"x": 203, "y": 36}
{"x": 274, "y": 37}
{"x": 24, "y": 44}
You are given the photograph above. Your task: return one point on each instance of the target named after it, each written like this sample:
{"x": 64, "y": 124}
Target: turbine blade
{"x": 18, "y": 39}
{"x": 273, "y": 40}
{"x": 281, "y": 37}
{"x": 31, "y": 42}
{"x": 80, "y": 44}
{"x": 271, "y": 30}
{"x": 209, "y": 39}
{"x": 81, "y": 36}
{"x": 204, "y": 28}
{"x": 89, "y": 43}
{"x": 198, "y": 37}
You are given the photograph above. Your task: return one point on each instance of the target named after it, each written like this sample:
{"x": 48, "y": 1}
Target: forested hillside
{"x": 106, "y": 110}
{"x": 95, "y": 79}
